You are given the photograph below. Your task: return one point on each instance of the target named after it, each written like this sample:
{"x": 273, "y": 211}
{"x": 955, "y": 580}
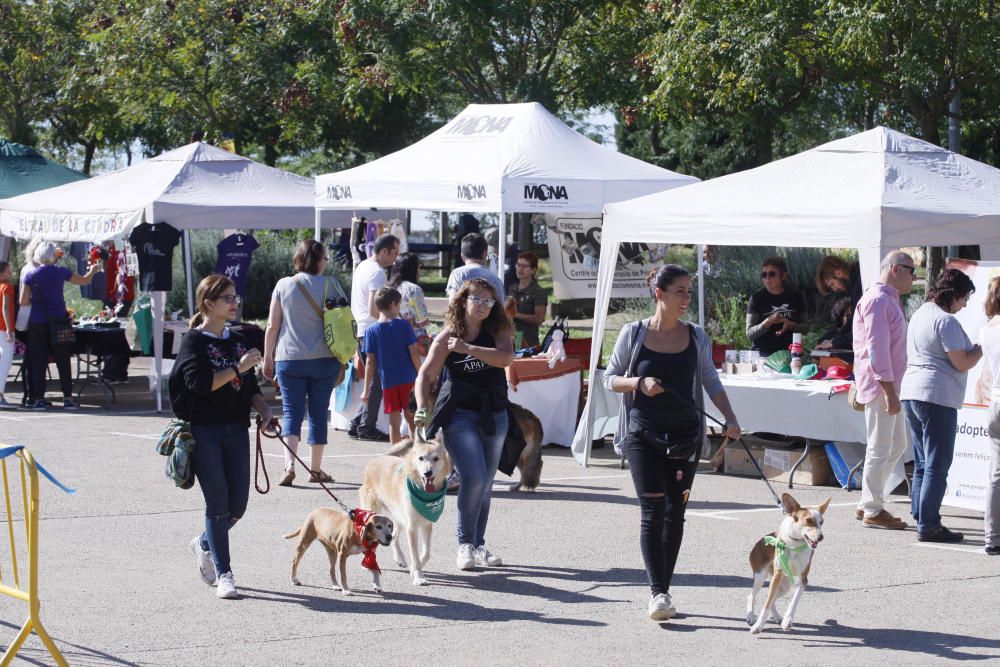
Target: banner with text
{"x": 574, "y": 250}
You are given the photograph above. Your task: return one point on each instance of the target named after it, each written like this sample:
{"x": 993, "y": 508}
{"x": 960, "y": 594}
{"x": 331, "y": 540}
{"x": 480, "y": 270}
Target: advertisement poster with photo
{"x": 969, "y": 473}
{"x": 574, "y": 250}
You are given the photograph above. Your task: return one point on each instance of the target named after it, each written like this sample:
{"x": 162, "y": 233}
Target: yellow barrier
{"x": 29, "y": 500}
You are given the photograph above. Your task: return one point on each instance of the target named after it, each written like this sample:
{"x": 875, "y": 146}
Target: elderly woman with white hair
{"x": 42, "y": 289}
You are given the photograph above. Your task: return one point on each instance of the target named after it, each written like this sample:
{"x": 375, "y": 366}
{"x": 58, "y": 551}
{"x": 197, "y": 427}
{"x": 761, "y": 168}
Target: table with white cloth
{"x": 551, "y": 394}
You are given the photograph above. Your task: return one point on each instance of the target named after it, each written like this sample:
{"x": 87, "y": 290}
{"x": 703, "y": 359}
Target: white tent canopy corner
{"x": 872, "y": 191}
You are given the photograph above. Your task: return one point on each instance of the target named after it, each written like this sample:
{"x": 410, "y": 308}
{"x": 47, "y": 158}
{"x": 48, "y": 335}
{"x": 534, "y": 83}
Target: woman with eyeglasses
{"x": 775, "y": 311}
{"x": 296, "y": 354}
{"x": 469, "y": 356}
{"x": 213, "y": 387}
{"x": 530, "y": 300}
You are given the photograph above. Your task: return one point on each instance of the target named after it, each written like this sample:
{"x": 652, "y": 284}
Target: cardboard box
{"x": 814, "y": 471}
{"x": 736, "y": 462}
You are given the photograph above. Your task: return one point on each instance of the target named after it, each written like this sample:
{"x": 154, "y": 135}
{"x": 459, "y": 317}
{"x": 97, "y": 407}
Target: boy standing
{"x": 391, "y": 350}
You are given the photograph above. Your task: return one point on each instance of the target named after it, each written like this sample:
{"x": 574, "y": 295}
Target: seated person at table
{"x": 836, "y": 279}
{"x": 840, "y": 334}
{"x": 529, "y": 299}
{"x": 775, "y": 311}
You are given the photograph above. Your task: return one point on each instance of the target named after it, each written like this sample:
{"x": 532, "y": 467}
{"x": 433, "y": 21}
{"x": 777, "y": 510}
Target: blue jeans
{"x": 476, "y": 455}
{"x": 222, "y": 468}
{"x": 932, "y": 431}
{"x": 302, "y": 382}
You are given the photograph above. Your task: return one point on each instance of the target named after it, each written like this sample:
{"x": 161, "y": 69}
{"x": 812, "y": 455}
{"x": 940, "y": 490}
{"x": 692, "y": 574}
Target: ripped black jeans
{"x": 662, "y": 517}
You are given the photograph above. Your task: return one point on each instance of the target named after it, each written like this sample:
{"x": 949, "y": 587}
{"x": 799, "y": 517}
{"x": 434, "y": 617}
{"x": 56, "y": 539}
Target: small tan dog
{"x": 786, "y": 556}
{"x": 342, "y": 536}
{"x": 410, "y": 490}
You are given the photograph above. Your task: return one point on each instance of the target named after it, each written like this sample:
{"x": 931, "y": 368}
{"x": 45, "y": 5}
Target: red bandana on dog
{"x": 369, "y": 561}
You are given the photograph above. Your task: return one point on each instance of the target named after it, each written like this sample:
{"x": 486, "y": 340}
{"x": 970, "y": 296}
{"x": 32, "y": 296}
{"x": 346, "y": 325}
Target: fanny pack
{"x": 677, "y": 445}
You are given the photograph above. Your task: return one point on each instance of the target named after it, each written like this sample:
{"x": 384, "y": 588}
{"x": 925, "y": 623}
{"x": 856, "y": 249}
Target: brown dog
{"x": 336, "y": 532}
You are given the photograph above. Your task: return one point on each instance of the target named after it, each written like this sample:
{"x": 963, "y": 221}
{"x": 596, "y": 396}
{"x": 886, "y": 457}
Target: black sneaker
{"x": 352, "y": 431}
{"x": 372, "y": 436}
{"x": 940, "y": 534}
{"x": 71, "y": 404}
{"x": 992, "y": 550}
{"x": 38, "y": 406}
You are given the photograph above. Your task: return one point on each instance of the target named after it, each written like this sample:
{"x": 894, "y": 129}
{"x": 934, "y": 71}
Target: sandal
{"x": 286, "y": 480}
{"x": 320, "y": 476}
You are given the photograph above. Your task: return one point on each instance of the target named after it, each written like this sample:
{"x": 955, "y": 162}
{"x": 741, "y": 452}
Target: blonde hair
{"x": 992, "y": 302}
{"x": 210, "y": 288}
{"x": 45, "y": 253}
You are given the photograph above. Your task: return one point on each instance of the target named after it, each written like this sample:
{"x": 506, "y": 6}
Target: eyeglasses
{"x": 524, "y": 266}
{"x": 913, "y": 269}
{"x": 480, "y": 301}
{"x": 231, "y": 299}
{"x": 768, "y": 274}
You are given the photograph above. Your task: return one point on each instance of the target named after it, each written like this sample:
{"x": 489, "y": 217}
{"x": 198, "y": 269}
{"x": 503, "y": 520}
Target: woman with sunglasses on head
{"x": 775, "y": 311}
{"x": 662, "y": 367}
{"x": 467, "y": 359}
{"x": 296, "y": 354}
{"x": 213, "y": 387}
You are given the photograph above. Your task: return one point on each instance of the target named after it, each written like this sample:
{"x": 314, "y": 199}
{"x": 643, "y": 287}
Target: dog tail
{"x": 294, "y": 533}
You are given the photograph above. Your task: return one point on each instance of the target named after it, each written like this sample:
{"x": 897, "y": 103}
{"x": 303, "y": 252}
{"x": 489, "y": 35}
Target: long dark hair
{"x": 308, "y": 256}
{"x": 405, "y": 268}
{"x": 454, "y": 319}
{"x": 665, "y": 276}
{"x": 210, "y": 288}
{"x": 950, "y": 286}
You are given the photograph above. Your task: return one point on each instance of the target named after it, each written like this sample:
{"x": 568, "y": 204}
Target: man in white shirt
{"x": 474, "y": 255}
{"x": 369, "y": 275}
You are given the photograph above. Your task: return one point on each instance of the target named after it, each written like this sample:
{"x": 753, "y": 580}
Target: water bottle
{"x": 796, "y": 350}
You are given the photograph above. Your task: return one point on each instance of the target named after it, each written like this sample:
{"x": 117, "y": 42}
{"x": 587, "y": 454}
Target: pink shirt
{"x": 879, "y": 341}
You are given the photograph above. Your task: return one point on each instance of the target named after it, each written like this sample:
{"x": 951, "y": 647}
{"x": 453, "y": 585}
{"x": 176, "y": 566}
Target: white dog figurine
{"x": 556, "y": 351}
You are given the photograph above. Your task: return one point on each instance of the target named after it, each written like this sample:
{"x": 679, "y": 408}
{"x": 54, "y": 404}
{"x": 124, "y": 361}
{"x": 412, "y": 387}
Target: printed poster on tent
{"x": 574, "y": 249}
{"x": 969, "y": 473}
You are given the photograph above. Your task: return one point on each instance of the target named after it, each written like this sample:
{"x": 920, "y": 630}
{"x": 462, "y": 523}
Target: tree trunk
{"x": 270, "y": 154}
{"x": 89, "y": 148}
{"x": 763, "y": 144}
{"x": 935, "y": 262}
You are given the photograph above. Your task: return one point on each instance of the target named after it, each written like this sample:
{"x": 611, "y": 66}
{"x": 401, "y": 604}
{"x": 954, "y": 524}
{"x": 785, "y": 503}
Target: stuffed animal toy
{"x": 556, "y": 351}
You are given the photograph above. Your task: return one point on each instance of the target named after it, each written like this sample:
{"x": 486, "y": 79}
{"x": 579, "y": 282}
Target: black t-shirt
{"x": 466, "y": 368}
{"x": 191, "y": 396}
{"x": 763, "y": 304}
{"x": 154, "y": 244}
{"x": 665, "y": 413}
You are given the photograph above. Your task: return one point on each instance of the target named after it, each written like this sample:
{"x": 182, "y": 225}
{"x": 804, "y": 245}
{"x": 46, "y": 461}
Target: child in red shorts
{"x": 391, "y": 350}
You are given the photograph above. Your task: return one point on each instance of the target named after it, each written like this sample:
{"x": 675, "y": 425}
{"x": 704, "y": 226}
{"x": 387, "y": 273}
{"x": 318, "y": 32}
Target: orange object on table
{"x": 526, "y": 370}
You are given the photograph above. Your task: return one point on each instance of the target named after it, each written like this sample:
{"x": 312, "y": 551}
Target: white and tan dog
{"x": 786, "y": 556}
{"x": 341, "y": 537}
{"x": 393, "y": 485}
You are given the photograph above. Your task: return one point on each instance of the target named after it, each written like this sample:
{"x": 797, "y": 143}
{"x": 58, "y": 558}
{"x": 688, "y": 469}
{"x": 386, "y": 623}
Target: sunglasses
{"x": 231, "y": 298}
{"x": 768, "y": 274}
{"x": 913, "y": 269}
{"x": 480, "y": 301}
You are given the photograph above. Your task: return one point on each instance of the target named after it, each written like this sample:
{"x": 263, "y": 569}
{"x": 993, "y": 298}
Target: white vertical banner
{"x": 968, "y": 476}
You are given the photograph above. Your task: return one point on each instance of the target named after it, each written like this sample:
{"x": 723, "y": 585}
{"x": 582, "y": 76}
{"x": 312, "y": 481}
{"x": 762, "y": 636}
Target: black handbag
{"x": 61, "y": 331}
{"x": 676, "y": 445}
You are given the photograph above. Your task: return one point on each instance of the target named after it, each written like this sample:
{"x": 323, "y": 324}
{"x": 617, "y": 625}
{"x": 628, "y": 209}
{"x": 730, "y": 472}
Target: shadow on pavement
{"x": 75, "y": 654}
{"x": 731, "y": 581}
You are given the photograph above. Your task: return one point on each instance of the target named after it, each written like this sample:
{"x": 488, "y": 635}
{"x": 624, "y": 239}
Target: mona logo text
{"x": 545, "y": 192}
{"x": 479, "y": 124}
{"x": 470, "y": 191}
{"x": 338, "y": 192}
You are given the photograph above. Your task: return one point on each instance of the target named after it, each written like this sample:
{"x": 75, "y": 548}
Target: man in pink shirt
{"x": 879, "y": 363}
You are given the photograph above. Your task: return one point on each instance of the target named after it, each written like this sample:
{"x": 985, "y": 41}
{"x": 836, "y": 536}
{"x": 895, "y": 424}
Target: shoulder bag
{"x": 340, "y": 331}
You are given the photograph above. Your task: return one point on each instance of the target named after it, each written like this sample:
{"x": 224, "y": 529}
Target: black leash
{"x": 756, "y": 465}
{"x": 275, "y": 428}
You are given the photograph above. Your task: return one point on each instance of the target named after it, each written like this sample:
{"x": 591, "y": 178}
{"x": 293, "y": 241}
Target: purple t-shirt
{"x": 390, "y": 343}
{"x": 47, "y": 299}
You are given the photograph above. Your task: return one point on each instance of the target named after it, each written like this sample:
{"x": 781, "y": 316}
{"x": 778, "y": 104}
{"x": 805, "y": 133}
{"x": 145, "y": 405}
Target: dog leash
{"x": 259, "y": 464}
{"x": 753, "y": 460}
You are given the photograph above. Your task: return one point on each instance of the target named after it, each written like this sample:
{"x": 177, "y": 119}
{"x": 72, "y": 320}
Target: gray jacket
{"x": 622, "y": 364}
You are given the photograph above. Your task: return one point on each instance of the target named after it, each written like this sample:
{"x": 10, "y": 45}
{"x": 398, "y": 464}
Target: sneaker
{"x": 227, "y": 587}
{"x": 992, "y": 550}
{"x": 38, "y": 406}
{"x": 883, "y": 520}
{"x": 661, "y": 608}
{"x": 71, "y": 404}
{"x": 206, "y": 568}
{"x": 454, "y": 481}
{"x": 373, "y": 435}
{"x": 940, "y": 534}
{"x": 466, "y": 558}
{"x": 485, "y": 559}
{"x": 352, "y": 431}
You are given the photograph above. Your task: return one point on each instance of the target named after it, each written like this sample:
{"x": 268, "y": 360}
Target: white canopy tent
{"x": 873, "y": 191}
{"x": 509, "y": 158}
{"x": 197, "y": 186}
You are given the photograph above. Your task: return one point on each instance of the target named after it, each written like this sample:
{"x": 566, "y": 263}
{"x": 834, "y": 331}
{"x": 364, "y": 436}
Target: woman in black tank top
{"x": 467, "y": 358}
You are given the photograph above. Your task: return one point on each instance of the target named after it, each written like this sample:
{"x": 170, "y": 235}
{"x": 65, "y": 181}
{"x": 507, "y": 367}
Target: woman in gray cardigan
{"x": 663, "y": 367}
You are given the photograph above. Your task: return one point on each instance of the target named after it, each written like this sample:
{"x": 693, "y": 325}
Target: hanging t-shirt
{"x": 94, "y": 289}
{"x": 154, "y": 244}
{"x": 114, "y": 276}
{"x": 234, "y": 259}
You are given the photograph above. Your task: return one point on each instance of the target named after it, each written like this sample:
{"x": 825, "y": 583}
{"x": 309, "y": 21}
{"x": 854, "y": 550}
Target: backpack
{"x": 177, "y": 444}
{"x": 340, "y": 330}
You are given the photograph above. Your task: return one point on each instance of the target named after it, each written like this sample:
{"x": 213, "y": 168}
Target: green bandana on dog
{"x": 782, "y": 550}
{"x": 428, "y": 505}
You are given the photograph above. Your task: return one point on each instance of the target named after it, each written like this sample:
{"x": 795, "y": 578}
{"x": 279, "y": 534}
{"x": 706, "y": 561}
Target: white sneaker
{"x": 661, "y": 608}
{"x": 485, "y": 559}
{"x": 227, "y": 587}
{"x": 466, "y": 559}
{"x": 206, "y": 567}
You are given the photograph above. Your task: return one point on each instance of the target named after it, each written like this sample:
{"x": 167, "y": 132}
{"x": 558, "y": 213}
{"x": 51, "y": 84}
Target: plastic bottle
{"x": 796, "y": 350}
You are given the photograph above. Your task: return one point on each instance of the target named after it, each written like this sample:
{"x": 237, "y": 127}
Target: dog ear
{"x": 790, "y": 504}
{"x": 823, "y": 505}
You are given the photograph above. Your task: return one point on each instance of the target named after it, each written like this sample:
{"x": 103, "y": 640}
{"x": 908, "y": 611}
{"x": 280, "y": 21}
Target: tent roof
{"x": 491, "y": 157}
{"x": 22, "y": 170}
{"x": 197, "y": 186}
{"x": 874, "y": 189}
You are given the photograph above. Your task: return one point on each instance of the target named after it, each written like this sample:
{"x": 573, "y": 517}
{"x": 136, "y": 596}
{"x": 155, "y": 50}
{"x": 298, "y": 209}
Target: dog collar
{"x": 783, "y": 550}
{"x": 369, "y": 560}
{"x": 428, "y": 505}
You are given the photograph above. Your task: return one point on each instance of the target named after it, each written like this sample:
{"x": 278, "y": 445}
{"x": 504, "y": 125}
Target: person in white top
{"x": 370, "y": 275}
{"x": 990, "y": 340}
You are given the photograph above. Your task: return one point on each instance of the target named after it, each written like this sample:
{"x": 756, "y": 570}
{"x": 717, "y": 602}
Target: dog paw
{"x": 336, "y": 587}
{"x": 377, "y": 589}
{"x": 419, "y": 580}
{"x": 348, "y": 592}
{"x": 296, "y": 582}
{"x": 751, "y": 618}
{"x": 786, "y": 624}
{"x": 757, "y": 627}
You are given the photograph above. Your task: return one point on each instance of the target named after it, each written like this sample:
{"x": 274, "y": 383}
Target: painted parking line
{"x": 141, "y": 436}
{"x": 13, "y": 419}
{"x": 330, "y": 456}
{"x": 968, "y": 550}
{"x": 722, "y": 514}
